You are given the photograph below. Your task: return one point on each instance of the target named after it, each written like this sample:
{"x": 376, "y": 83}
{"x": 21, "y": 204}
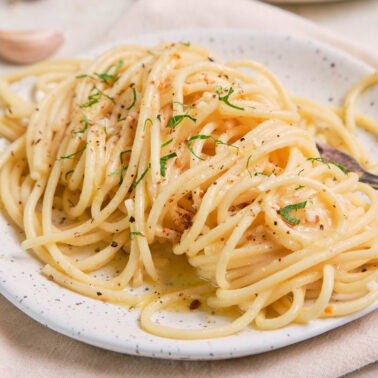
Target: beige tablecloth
{"x": 29, "y": 349}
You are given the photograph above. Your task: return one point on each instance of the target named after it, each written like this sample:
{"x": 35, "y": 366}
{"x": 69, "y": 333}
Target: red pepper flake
{"x": 328, "y": 309}
{"x": 194, "y": 304}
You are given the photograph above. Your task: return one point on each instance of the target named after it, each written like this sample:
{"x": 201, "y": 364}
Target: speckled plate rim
{"x": 229, "y": 347}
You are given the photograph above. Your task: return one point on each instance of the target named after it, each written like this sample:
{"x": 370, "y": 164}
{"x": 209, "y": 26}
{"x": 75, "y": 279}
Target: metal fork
{"x": 348, "y": 162}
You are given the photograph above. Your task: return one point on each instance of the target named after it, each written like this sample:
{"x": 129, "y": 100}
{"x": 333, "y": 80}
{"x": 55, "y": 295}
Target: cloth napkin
{"x": 29, "y": 349}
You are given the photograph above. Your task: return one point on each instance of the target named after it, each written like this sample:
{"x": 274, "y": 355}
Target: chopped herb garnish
{"x": 142, "y": 176}
{"x": 121, "y": 155}
{"x": 163, "y": 162}
{"x": 71, "y": 203}
{"x": 299, "y": 187}
{"x": 134, "y": 99}
{"x": 285, "y": 212}
{"x": 216, "y": 141}
{"x": 69, "y": 173}
{"x": 73, "y": 154}
{"x": 83, "y": 76}
{"x": 145, "y": 123}
{"x": 119, "y": 171}
{"x": 225, "y": 98}
{"x": 158, "y": 117}
{"x": 328, "y": 162}
{"x": 262, "y": 173}
{"x": 187, "y": 44}
{"x": 180, "y": 103}
{"x": 82, "y": 131}
{"x": 122, "y": 119}
{"x": 107, "y": 78}
{"x": 95, "y": 97}
{"x": 249, "y": 157}
{"x": 300, "y": 171}
{"x": 176, "y": 120}
{"x": 106, "y": 133}
{"x": 192, "y": 139}
{"x": 166, "y": 143}
{"x": 134, "y": 233}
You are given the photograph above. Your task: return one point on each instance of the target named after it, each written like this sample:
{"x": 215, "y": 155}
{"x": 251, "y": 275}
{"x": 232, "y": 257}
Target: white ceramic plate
{"x": 306, "y": 68}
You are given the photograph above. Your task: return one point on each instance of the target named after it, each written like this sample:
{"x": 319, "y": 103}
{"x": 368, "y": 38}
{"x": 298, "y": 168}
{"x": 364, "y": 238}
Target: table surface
{"x": 356, "y": 20}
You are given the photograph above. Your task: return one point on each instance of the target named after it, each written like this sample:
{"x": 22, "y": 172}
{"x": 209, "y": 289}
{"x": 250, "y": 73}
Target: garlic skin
{"x": 29, "y": 46}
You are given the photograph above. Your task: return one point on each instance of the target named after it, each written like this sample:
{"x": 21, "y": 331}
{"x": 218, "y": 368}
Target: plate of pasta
{"x": 164, "y": 196}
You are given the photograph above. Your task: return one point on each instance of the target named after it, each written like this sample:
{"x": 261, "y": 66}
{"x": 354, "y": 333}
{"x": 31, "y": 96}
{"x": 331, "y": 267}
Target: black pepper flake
{"x": 131, "y": 219}
{"x": 321, "y": 227}
{"x": 194, "y": 304}
{"x": 114, "y": 244}
{"x": 99, "y": 293}
{"x": 363, "y": 270}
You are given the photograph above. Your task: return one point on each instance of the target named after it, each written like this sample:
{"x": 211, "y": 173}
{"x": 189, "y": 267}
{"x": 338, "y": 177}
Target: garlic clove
{"x": 28, "y": 46}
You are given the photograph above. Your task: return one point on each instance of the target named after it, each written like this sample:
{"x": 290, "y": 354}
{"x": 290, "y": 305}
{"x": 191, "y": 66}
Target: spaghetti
{"x": 171, "y": 145}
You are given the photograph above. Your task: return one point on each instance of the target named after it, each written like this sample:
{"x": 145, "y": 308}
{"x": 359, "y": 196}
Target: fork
{"x": 348, "y": 162}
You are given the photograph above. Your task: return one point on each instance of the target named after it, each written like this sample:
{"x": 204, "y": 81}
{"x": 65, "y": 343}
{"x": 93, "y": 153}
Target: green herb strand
{"x": 82, "y": 131}
{"x": 84, "y": 76}
{"x": 182, "y": 104}
{"x": 262, "y": 173}
{"x": 134, "y": 233}
{"x": 134, "y": 99}
{"x": 166, "y": 143}
{"x": 107, "y": 78}
{"x": 119, "y": 171}
{"x": 285, "y": 212}
{"x": 177, "y": 119}
{"x": 142, "y": 176}
{"x": 201, "y": 136}
{"x": 121, "y": 155}
{"x": 299, "y": 187}
{"x": 95, "y": 97}
{"x": 225, "y": 98}
{"x": 73, "y": 154}
{"x": 145, "y": 123}
{"x": 163, "y": 162}
{"x": 327, "y": 162}
{"x": 192, "y": 139}
{"x": 249, "y": 158}
{"x": 68, "y": 173}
